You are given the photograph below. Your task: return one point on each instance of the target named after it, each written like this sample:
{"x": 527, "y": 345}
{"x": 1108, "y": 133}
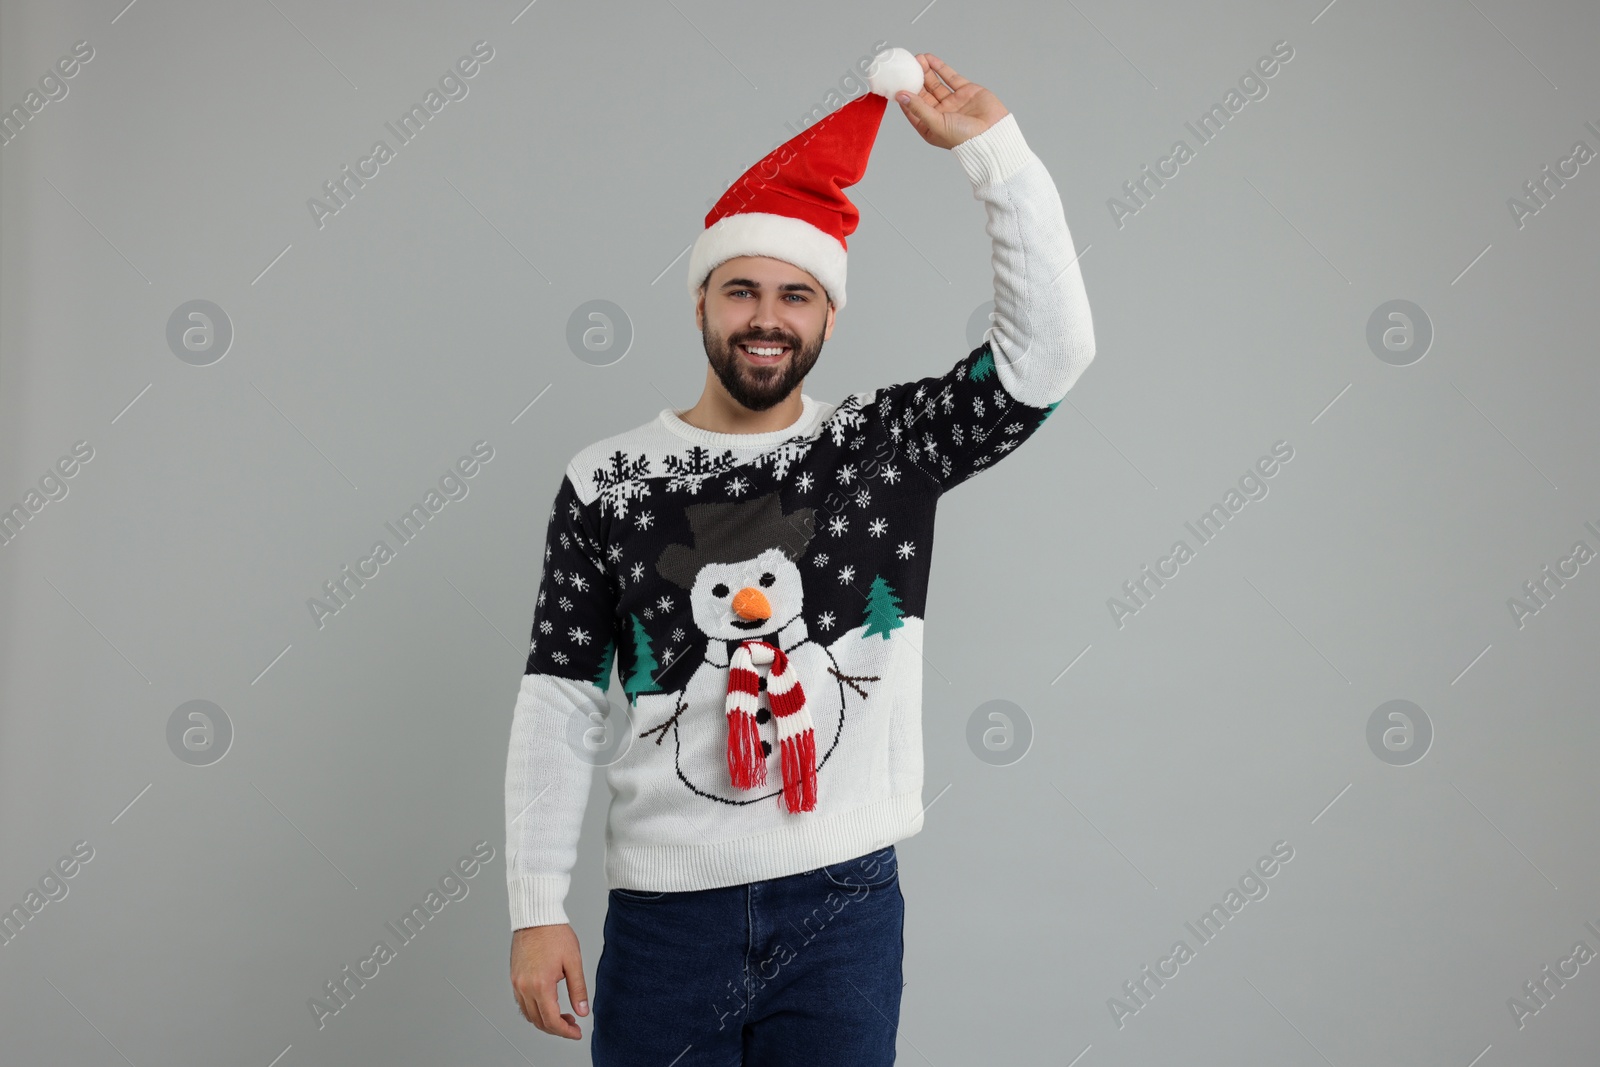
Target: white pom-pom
{"x": 895, "y": 70}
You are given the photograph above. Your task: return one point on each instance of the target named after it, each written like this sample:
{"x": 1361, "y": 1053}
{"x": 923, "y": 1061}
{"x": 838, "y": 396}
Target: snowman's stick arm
{"x": 852, "y": 679}
{"x": 661, "y": 731}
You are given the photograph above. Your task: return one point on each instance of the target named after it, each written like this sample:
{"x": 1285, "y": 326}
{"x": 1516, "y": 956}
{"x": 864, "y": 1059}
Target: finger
{"x": 919, "y": 111}
{"x": 932, "y": 84}
{"x": 947, "y": 72}
{"x": 551, "y": 1011}
{"x": 530, "y": 1008}
{"x": 577, "y": 991}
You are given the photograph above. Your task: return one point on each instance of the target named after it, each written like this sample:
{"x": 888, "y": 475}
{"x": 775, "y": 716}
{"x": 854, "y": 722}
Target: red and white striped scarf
{"x": 797, "y": 748}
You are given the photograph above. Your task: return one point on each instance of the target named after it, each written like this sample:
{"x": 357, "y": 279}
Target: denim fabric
{"x": 799, "y": 971}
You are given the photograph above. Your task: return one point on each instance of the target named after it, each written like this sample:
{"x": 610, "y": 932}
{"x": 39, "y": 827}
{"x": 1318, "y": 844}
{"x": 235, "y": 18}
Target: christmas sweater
{"x": 823, "y": 534}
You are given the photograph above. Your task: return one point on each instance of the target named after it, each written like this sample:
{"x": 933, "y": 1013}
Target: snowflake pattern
{"x": 877, "y": 526}
{"x": 847, "y": 416}
{"x": 825, "y": 620}
{"x": 686, "y": 473}
{"x": 782, "y": 456}
{"x": 905, "y": 550}
{"x": 621, "y": 482}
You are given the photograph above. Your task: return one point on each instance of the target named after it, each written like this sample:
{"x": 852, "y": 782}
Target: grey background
{"x": 368, "y": 356}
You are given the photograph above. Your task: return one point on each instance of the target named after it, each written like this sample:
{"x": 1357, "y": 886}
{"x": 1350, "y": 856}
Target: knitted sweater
{"x": 827, "y": 527}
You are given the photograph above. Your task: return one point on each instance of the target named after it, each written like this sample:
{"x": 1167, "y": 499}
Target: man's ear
{"x": 827, "y": 331}
{"x": 700, "y": 310}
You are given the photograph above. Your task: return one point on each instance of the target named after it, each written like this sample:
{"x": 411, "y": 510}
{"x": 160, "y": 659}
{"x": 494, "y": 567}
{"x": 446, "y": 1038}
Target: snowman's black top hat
{"x": 734, "y": 532}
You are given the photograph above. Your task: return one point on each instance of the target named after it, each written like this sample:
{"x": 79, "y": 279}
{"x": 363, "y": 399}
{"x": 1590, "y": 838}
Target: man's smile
{"x": 763, "y": 355}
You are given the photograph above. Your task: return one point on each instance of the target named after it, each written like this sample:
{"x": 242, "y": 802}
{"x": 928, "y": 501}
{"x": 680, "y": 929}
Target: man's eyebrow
{"x": 747, "y": 283}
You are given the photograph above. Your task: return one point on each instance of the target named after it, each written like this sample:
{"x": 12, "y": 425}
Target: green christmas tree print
{"x": 883, "y": 609}
{"x": 641, "y": 678}
{"x": 602, "y": 676}
{"x": 983, "y": 366}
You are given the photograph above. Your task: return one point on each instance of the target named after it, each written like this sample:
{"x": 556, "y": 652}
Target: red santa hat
{"x": 791, "y": 205}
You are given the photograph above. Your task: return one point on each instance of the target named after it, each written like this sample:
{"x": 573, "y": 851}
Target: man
{"x": 757, "y": 566}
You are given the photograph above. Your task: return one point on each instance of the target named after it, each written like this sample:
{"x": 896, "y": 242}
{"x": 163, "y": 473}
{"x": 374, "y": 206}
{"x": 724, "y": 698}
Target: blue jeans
{"x": 798, "y": 971}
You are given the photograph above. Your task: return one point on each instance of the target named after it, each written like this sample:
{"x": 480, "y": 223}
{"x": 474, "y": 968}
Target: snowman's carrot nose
{"x": 751, "y": 603}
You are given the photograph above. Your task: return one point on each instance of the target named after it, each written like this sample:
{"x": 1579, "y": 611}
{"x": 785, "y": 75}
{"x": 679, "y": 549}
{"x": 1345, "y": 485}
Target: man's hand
{"x": 950, "y": 109}
{"x": 540, "y": 957}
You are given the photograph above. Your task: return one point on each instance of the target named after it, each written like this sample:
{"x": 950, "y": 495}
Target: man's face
{"x": 761, "y": 302}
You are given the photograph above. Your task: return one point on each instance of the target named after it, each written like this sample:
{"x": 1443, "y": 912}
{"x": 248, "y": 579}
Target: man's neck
{"x": 718, "y": 412}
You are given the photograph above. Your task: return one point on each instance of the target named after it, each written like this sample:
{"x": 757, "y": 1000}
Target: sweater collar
{"x": 719, "y": 650}
{"x": 811, "y": 414}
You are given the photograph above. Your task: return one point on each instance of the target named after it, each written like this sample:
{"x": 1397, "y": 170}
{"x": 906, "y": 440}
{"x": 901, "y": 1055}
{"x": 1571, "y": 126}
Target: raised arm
{"x": 955, "y": 424}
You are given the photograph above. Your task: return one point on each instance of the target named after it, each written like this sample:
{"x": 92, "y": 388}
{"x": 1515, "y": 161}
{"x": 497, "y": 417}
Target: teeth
{"x": 763, "y": 351}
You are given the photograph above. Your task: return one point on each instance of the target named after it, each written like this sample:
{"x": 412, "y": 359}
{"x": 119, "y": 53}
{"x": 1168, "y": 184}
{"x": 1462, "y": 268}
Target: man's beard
{"x": 756, "y": 387}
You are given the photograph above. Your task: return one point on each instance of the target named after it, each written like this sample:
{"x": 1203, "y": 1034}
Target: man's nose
{"x": 765, "y": 314}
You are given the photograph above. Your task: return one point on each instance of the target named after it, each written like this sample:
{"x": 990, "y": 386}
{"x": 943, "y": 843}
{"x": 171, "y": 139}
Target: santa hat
{"x": 791, "y": 205}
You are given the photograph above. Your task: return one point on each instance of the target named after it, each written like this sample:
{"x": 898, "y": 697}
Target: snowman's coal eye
{"x": 719, "y": 590}
{"x": 768, "y": 578}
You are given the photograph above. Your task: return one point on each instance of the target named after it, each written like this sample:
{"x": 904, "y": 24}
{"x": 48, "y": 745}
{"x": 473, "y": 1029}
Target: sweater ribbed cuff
{"x": 536, "y": 900}
{"x": 995, "y": 154}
